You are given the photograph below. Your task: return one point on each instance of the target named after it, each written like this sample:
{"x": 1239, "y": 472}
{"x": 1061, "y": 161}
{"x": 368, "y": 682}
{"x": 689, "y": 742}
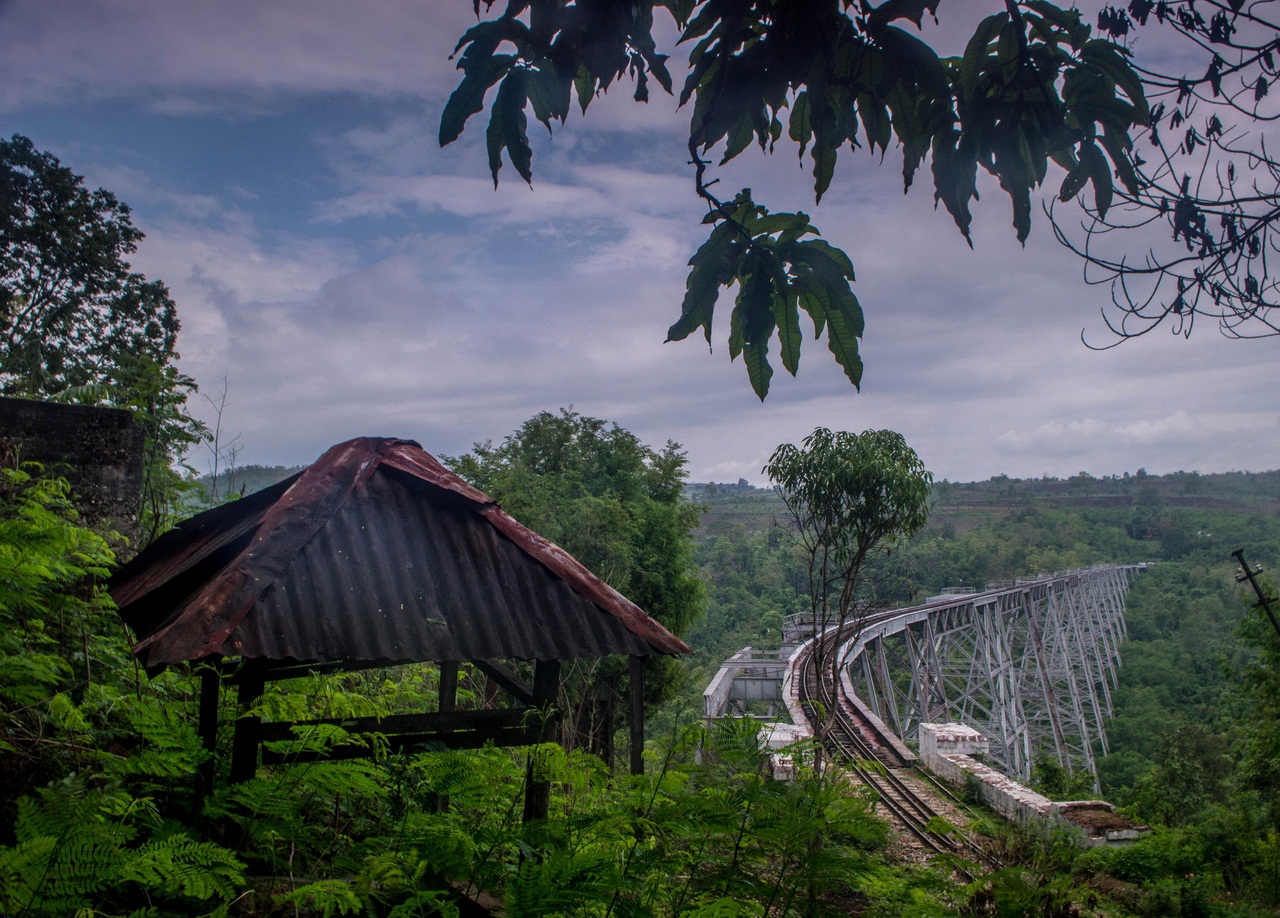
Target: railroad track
{"x": 874, "y": 766}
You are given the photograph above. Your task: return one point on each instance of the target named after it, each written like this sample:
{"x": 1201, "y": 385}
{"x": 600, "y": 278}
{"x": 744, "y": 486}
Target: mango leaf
{"x": 891, "y": 10}
{"x": 799, "y": 127}
{"x": 756, "y": 357}
{"x": 955, "y": 177}
{"x": 821, "y": 275}
{"x": 1091, "y": 157}
{"x": 975, "y": 53}
{"x": 789, "y": 335}
{"x": 841, "y": 321}
{"x": 752, "y": 323}
{"x": 509, "y": 108}
{"x": 1109, "y": 58}
{"x": 708, "y": 268}
{"x": 549, "y": 94}
{"x": 1117, "y": 148}
{"x": 468, "y": 98}
{"x": 1076, "y": 179}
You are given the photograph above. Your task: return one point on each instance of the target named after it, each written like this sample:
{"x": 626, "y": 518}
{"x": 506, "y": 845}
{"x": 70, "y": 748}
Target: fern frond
{"x": 324, "y": 897}
{"x": 426, "y": 902}
{"x": 21, "y": 869}
{"x": 181, "y": 867}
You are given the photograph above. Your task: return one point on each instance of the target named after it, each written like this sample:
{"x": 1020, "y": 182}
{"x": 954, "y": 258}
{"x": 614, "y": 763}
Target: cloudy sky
{"x": 345, "y": 276}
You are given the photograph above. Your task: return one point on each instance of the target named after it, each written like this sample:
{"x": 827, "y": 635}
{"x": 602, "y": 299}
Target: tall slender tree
{"x": 850, "y": 496}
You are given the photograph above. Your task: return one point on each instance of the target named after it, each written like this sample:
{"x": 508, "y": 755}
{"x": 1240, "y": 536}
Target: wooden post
{"x": 546, "y": 688}
{"x": 449, "y": 685}
{"x": 635, "y": 693}
{"x": 210, "y": 684}
{"x": 448, "y": 702}
{"x": 244, "y": 744}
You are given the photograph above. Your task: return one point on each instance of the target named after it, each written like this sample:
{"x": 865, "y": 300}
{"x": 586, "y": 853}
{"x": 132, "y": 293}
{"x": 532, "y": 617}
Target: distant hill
{"x": 965, "y": 505}
{"x": 247, "y": 479}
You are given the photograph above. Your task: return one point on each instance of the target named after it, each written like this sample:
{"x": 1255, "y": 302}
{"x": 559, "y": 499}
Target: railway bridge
{"x": 1032, "y": 664}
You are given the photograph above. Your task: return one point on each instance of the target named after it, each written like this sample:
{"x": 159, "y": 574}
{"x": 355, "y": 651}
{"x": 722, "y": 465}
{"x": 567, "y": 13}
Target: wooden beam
{"x": 508, "y": 680}
{"x": 436, "y": 722}
{"x": 516, "y": 735}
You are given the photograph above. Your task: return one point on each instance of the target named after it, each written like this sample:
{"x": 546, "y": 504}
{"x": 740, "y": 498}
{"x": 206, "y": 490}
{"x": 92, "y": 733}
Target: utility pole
{"x": 1245, "y": 573}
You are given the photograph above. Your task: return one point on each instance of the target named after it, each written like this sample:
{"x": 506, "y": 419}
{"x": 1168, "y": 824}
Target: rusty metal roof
{"x": 377, "y": 554}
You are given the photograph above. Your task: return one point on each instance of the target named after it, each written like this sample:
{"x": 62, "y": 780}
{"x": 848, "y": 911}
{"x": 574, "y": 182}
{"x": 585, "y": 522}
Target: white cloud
{"x": 187, "y": 56}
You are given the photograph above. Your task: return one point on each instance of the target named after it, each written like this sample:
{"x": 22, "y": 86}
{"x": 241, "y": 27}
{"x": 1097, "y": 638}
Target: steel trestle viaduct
{"x": 1032, "y": 664}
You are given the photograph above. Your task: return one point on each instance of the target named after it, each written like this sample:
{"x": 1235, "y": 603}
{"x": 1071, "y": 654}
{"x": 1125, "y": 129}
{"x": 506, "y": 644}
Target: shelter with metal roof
{"x": 377, "y": 555}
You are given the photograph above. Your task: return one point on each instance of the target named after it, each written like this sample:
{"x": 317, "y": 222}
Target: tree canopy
{"x": 71, "y": 307}
{"x": 1032, "y": 86}
{"x": 612, "y": 502}
{"x": 77, "y": 324}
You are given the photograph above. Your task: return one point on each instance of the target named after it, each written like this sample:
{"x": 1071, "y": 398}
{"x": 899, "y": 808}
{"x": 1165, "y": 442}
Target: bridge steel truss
{"x": 1032, "y": 665}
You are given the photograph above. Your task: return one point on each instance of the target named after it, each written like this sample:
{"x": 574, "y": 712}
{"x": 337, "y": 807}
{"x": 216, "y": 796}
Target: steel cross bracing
{"x": 1032, "y": 665}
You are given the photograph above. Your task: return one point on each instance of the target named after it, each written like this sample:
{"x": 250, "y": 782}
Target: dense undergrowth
{"x": 99, "y": 814}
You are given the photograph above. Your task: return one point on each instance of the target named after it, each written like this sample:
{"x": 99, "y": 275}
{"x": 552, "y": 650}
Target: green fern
{"x": 426, "y": 902}
{"x": 180, "y": 867}
{"x": 324, "y": 897}
{"x": 22, "y": 869}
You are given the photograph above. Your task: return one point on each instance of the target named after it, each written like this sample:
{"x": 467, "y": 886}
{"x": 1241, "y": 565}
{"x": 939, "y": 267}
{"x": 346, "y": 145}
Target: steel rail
{"x": 845, "y": 739}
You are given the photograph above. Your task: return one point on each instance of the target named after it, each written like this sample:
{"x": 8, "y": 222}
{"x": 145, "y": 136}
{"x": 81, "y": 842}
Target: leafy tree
{"x": 1032, "y": 86}
{"x": 1261, "y": 725}
{"x": 156, "y": 395}
{"x": 78, "y": 325}
{"x": 610, "y": 501}
{"x": 849, "y": 496}
{"x": 70, "y": 307}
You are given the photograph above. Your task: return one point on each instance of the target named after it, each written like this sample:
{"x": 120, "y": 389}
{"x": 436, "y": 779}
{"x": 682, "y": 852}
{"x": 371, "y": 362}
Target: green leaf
{"x": 821, "y": 276}
{"x": 739, "y": 138}
{"x": 585, "y": 86}
{"x": 1091, "y": 157}
{"x": 494, "y": 140}
{"x": 1110, "y": 59}
{"x": 549, "y": 94}
{"x": 756, "y": 357}
{"x": 824, "y": 167}
{"x": 510, "y": 104}
{"x": 838, "y": 313}
{"x": 468, "y": 98}
{"x": 821, "y": 255}
{"x": 1118, "y": 150}
{"x": 1076, "y": 179}
{"x": 955, "y": 176}
{"x": 975, "y": 53}
{"x": 799, "y": 127}
{"x": 787, "y": 313}
{"x": 891, "y": 10}
{"x": 708, "y": 268}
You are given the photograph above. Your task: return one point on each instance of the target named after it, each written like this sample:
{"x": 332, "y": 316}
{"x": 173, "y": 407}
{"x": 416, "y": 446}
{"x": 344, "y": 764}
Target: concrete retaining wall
{"x": 948, "y": 751}
{"x": 98, "y": 450}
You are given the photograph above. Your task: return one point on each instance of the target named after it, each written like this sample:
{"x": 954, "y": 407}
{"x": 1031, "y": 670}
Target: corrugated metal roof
{"x": 377, "y": 553}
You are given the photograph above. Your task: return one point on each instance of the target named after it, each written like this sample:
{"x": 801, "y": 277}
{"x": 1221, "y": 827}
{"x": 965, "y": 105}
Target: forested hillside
{"x": 1194, "y": 746}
